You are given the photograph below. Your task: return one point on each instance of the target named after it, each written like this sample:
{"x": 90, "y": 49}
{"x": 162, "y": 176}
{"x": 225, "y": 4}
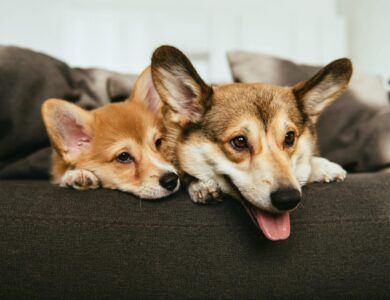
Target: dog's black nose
{"x": 169, "y": 181}
{"x": 286, "y": 198}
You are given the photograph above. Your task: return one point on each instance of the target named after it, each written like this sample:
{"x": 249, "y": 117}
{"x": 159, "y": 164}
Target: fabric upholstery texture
{"x": 354, "y": 131}
{"x": 62, "y": 243}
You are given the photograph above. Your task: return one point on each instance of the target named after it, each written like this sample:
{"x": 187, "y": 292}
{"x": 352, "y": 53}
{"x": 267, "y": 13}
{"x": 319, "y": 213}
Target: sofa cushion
{"x": 354, "y": 131}
{"x": 62, "y": 243}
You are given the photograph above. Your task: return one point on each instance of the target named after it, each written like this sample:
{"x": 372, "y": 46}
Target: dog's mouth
{"x": 275, "y": 226}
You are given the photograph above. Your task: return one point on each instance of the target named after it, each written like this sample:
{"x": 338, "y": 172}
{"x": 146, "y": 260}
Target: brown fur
{"x": 111, "y": 124}
{"x": 131, "y": 126}
{"x": 201, "y": 121}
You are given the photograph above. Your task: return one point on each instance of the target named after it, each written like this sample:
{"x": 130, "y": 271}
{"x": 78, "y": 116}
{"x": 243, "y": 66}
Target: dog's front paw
{"x": 79, "y": 179}
{"x": 324, "y": 170}
{"x": 204, "y": 192}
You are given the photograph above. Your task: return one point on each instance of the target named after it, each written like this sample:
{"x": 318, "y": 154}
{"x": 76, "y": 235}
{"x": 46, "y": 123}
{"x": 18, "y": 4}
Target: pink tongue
{"x": 274, "y": 227}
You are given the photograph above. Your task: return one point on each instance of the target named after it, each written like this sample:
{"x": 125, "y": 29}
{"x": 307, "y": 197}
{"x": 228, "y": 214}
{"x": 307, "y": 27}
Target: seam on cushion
{"x": 108, "y": 222}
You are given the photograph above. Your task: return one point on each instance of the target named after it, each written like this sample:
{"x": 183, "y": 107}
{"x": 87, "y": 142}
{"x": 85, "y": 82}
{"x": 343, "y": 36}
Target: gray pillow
{"x": 354, "y": 131}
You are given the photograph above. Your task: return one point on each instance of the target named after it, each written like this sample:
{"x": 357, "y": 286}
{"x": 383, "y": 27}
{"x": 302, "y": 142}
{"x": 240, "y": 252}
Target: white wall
{"x": 121, "y": 34}
{"x": 368, "y": 34}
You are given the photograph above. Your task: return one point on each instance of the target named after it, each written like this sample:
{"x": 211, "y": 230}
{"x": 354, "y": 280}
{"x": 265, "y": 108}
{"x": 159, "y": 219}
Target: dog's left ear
{"x": 182, "y": 90}
{"x": 320, "y": 91}
{"x": 145, "y": 93}
{"x": 69, "y": 127}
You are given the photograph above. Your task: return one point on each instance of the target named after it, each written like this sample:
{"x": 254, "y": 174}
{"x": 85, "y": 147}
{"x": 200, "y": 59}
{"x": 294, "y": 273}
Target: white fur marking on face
{"x": 161, "y": 165}
{"x": 301, "y": 164}
{"x": 195, "y": 162}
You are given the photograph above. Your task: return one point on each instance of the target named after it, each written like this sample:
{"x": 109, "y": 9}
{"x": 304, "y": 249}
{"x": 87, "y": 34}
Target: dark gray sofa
{"x": 64, "y": 244}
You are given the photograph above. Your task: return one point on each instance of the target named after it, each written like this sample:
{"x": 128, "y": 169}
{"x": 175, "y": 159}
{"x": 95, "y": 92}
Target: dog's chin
{"x": 153, "y": 193}
{"x": 147, "y": 192}
{"x": 275, "y": 226}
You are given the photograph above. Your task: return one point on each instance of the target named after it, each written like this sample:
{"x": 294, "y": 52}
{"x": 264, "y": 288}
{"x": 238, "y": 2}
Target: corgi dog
{"x": 116, "y": 146}
{"x": 256, "y": 142}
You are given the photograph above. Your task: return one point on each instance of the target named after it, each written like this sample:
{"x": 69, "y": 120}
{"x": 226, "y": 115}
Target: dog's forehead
{"x": 248, "y": 101}
{"x": 125, "y": 120}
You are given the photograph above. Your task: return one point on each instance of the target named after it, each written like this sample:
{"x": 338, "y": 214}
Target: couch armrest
{"x": 61, "y": 243}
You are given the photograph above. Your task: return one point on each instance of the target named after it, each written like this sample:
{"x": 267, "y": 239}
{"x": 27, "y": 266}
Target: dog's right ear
{"x": 69, "y": 128}
{"x": 179, "y": 85}
{"x": 324, "y": 88}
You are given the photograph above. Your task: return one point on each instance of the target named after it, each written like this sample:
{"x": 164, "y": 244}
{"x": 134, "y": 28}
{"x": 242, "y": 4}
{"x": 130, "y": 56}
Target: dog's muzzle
{"x": 285, "y": 198}
{"x": 169, "y": 181}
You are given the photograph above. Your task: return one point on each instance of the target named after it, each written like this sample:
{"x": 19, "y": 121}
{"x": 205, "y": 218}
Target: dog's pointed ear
{"x": 321, "y": 90}
{"x": 145, "y": 93}
{"x": 69, "y": 128}
{"x": 180, "y": 87}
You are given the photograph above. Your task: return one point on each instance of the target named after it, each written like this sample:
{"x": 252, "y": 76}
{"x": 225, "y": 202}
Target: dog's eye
{"x": 158, "y": 143}
{"x": 124, "y": 158}
{"x": 289, "y": 138}
{"x": 239, "y": 142}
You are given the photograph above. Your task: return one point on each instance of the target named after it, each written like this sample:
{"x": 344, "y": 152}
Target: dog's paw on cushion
{"x": 324, "y": 170}
{"x": 79, "y": 179}
{"x": 353, "y": 130}
{"x": 203, "y": 192}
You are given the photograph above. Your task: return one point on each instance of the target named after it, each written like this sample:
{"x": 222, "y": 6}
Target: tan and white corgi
{"x": 256, "y": 142}
{"x": 116, "y": 146}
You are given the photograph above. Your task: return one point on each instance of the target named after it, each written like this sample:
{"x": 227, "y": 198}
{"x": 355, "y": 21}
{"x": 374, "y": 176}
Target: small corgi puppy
{"x": 255, "y": 142}
{"x": 116, "y": 146}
